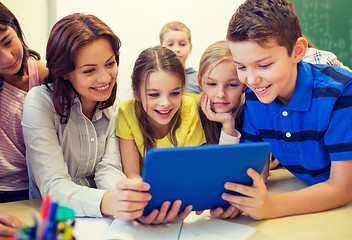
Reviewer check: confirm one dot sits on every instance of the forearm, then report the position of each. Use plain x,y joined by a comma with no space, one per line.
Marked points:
228,127
316,198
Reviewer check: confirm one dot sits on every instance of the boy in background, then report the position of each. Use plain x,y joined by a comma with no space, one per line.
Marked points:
177,37
303,110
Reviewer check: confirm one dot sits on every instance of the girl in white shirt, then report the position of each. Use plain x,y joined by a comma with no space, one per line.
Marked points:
69,126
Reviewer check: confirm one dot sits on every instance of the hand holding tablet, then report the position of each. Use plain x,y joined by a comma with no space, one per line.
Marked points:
196,175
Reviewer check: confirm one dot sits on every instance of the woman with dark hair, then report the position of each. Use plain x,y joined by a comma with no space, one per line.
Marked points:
69,123
20,69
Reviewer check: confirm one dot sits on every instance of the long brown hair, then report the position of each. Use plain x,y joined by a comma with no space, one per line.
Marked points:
7,19
151,60
67,36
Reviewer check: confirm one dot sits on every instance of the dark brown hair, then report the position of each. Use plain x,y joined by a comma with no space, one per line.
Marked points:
153,60
67,36
260,20
7,19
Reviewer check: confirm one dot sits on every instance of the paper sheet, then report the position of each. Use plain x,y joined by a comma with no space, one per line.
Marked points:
90,228
194,227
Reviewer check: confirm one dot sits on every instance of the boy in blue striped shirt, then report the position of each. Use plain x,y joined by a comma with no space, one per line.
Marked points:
303,110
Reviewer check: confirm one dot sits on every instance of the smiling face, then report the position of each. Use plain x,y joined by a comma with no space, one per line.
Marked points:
11,52
95,73
268,70
178,41
161,98
222,87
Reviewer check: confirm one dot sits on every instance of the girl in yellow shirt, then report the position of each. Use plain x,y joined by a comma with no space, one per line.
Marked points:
159,115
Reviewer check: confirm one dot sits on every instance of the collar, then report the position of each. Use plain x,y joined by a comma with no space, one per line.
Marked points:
108,112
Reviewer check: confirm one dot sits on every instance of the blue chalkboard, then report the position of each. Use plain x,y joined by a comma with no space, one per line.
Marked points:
328,24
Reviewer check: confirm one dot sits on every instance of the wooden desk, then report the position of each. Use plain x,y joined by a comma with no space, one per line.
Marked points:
333,224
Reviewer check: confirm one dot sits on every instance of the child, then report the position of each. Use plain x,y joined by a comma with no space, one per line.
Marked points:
177,37
69,123
223,95
301,109
159,115
20,69
221,103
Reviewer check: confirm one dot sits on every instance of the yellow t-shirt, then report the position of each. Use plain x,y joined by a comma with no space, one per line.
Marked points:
189,133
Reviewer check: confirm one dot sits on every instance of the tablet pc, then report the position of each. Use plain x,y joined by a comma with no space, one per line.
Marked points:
196,175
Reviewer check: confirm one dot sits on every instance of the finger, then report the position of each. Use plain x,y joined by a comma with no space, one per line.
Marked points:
184,214
10,221
129,206
150,218
6,230
235,213
131,195
173,212
135,184
228,212
128,215
216,212
199,212
258,181
162,213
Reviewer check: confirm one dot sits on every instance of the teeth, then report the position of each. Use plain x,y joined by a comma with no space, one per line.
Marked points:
164,111
103,88
261,89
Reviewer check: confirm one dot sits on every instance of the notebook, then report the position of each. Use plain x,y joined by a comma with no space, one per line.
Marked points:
196,175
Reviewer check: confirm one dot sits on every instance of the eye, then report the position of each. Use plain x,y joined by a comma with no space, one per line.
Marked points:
89,71
211,84
175,94
153,94
8,42
169,44
265,65
232,85
111,64
241,68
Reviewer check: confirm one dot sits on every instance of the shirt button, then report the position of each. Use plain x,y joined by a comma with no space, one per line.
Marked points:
284,113
92,139
288,134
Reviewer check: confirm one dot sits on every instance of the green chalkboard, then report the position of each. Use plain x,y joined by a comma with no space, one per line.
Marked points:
328,24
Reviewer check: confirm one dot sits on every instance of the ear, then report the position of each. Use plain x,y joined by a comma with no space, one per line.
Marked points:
200,82
299,49
191,48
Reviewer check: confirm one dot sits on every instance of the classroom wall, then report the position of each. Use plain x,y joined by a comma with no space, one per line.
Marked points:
34,21
136,22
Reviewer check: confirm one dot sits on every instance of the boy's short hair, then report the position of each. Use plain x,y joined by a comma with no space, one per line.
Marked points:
174,26
260,20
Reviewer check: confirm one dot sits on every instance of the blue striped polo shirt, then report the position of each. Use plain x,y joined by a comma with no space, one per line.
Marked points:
314,129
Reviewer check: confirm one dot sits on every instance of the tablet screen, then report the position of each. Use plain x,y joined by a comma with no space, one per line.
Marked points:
196,175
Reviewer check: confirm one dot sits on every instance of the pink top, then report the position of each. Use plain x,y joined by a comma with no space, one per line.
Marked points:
13,168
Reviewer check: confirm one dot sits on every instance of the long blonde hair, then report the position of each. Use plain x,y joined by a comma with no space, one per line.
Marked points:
212,56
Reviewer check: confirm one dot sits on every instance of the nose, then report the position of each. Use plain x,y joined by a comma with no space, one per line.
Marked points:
5,56
175,48
220,92
164,101
252,78
104,76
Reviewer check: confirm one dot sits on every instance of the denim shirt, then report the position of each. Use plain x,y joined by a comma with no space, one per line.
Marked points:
75,163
